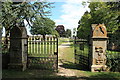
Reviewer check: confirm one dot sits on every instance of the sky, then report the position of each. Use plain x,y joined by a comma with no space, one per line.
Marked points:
67,13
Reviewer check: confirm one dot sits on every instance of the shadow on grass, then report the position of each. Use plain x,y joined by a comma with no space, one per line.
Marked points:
71,65
48,75
105,76
51,75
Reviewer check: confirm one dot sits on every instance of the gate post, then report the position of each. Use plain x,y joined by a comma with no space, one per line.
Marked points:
98,47
18,48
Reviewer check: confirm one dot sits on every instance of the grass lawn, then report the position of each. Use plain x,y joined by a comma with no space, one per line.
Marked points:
62,40
45,74
67,56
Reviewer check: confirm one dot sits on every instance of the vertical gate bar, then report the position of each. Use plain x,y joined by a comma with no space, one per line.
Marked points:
29,42
28,50
48,45
37,43
30,45
57,51
75,49
44,47
33,44
54,43
40,44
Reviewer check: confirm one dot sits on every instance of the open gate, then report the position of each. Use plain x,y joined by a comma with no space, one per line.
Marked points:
43,52
81,52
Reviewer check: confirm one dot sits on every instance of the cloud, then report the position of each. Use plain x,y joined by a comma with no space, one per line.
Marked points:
72,11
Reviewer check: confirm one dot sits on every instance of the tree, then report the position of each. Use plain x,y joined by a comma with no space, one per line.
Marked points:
83,30
100,12
74,32
16,12
43,26
68,33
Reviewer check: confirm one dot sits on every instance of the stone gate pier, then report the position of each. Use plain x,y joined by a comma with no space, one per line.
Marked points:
98,47
18,48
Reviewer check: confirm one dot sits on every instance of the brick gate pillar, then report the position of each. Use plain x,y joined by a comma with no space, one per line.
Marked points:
98,47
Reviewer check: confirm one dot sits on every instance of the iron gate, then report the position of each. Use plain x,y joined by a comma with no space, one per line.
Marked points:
81,52
43,52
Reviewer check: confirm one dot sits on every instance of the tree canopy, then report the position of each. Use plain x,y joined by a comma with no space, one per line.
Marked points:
100,13
43,26
68,33
13,13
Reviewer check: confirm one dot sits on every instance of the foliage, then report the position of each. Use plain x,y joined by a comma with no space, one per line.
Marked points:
84,27
113,60
55,33
68,33
100,12
43,26
14,13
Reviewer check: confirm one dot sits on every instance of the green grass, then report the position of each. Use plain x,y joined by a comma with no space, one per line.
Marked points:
62,40
67,56
50,75
85,50
68,62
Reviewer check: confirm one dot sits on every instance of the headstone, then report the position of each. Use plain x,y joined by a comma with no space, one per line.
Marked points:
18,48
98,47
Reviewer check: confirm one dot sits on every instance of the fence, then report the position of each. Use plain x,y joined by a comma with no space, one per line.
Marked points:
43,52
81,52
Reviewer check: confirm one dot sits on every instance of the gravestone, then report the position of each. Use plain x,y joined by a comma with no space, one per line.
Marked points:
18,48
98,47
